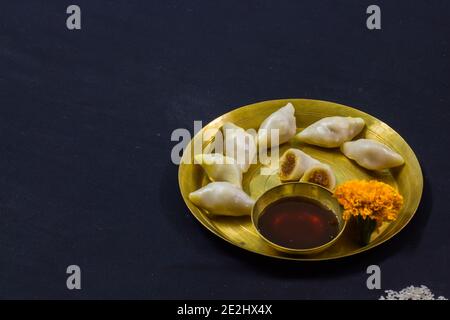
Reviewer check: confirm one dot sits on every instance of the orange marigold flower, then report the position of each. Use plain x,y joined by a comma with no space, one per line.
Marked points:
369,199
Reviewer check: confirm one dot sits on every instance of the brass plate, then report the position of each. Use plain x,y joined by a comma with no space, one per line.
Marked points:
240,231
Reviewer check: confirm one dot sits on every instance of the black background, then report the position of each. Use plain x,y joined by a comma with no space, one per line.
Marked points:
86,118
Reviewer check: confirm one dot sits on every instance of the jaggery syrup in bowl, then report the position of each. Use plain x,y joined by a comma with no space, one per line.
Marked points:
298,223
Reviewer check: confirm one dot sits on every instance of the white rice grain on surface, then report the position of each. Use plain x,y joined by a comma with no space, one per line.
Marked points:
411,293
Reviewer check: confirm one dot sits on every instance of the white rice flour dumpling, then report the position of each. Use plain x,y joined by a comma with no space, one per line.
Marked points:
282,120
220,168
331,132
293,164
296,165
222,198
371,154
320,174
239,145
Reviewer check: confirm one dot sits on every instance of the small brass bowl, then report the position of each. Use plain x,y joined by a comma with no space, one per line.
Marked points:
299,189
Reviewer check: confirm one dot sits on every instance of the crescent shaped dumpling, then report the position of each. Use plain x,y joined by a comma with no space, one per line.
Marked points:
371,154
239,145
320,174
293,163
220,168
331,132
222,198
282,120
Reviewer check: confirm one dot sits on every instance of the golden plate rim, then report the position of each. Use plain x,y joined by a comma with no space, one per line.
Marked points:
299,257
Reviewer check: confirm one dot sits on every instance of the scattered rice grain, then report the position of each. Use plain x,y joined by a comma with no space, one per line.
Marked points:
411,293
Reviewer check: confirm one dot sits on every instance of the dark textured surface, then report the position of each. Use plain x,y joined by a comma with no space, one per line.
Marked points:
86,118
